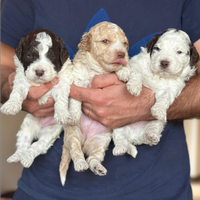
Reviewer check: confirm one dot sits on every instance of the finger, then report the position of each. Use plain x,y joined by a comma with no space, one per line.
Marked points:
82,94
37,92
11,78
104,80
90,114
44,112
33,106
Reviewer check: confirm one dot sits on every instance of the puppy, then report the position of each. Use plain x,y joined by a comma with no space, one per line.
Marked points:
40,57
163,66
102,50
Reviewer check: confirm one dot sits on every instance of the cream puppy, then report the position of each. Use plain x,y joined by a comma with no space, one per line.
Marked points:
102,50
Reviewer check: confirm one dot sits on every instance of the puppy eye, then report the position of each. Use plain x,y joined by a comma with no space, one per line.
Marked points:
156,48
179,52
105,41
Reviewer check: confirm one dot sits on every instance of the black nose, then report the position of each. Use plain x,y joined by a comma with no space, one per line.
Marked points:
39,72
121,54
164,64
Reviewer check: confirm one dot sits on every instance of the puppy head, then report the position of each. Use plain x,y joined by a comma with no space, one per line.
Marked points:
171,52
107,44
42,55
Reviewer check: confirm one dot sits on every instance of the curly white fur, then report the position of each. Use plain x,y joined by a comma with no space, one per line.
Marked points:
165,71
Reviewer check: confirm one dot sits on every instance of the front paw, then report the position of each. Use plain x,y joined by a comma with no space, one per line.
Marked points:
123,74
134,89
62,117
10,108
159,113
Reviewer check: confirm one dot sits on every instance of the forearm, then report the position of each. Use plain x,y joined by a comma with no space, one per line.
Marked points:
5,87
7,67
186,106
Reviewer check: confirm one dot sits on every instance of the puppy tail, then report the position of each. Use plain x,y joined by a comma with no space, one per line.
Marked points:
64,164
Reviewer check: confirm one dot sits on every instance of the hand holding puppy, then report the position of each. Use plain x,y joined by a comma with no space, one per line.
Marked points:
31,104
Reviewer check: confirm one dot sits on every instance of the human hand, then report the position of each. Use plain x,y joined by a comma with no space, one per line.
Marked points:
111,104
31,104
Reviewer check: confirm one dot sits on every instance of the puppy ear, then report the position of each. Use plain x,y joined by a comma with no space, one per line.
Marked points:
19,49
152,42
194,56
64,53
85,43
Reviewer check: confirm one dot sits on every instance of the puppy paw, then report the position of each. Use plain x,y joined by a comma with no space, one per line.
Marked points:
10,108
73,120
26,160
134,89
123,74
81,166
14,158
119,150
159,114
152,138
132,150
43,100
62,117
97,168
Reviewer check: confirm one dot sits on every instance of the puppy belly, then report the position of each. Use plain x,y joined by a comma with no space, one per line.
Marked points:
47,121
90,127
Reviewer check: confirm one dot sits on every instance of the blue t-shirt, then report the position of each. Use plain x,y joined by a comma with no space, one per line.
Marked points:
158,172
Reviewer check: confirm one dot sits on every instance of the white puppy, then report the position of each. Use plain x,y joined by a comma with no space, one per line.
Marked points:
40,57
163,66
102,50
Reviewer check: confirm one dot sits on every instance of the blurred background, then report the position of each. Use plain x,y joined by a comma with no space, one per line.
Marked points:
10,173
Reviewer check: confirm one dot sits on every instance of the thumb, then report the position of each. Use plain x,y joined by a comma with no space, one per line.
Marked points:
36,92
105,80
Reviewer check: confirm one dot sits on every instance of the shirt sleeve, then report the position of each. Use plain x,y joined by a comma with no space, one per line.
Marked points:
17,20
191,19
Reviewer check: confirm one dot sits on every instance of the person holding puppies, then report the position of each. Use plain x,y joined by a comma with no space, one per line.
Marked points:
158,172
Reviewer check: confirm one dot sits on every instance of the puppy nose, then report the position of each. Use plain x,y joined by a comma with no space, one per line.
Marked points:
121,54
164,63
39,72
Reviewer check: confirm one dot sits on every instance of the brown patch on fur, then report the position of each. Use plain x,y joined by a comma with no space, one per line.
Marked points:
85,44
194,56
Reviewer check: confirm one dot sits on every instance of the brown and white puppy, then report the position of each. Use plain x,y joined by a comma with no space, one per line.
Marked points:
163,66
102,50
40,57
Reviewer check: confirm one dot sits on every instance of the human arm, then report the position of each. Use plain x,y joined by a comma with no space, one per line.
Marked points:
112,105
30,104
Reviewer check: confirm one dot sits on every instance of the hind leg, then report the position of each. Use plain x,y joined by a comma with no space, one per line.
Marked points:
47,137
28,131
74,143
95,148
122,144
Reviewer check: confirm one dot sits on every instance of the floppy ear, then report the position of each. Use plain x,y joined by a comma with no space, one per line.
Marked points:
19,49
64,53
85,43
152,42
194,56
